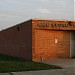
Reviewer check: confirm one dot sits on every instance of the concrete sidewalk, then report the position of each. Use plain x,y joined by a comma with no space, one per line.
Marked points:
65,63
44,72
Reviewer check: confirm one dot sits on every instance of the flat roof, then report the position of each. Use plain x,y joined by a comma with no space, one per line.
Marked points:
51,19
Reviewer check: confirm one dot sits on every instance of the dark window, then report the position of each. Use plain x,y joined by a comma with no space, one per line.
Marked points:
18,28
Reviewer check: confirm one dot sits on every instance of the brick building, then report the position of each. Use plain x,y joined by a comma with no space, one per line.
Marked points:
38,39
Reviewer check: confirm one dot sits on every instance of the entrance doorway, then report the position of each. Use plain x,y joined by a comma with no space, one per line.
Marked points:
72,44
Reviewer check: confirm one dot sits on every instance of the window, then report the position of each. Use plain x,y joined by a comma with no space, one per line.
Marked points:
18,28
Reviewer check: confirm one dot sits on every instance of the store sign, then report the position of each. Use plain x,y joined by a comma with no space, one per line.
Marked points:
59,25
43,24
55,25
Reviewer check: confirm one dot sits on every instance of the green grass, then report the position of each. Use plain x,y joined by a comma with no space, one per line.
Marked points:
13,64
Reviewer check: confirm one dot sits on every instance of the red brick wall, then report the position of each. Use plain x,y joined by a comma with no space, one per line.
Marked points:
17,43
44,46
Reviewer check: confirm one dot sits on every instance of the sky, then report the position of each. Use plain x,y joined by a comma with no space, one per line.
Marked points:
13,12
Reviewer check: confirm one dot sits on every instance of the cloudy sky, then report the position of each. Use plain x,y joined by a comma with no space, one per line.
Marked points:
15,11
